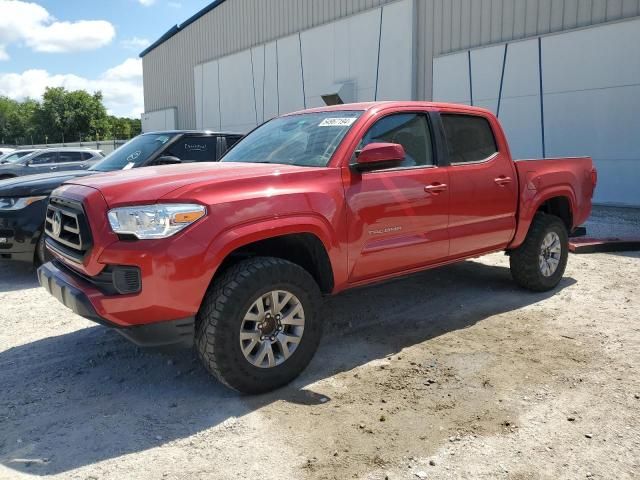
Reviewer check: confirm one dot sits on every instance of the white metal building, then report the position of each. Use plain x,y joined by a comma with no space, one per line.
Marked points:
562,75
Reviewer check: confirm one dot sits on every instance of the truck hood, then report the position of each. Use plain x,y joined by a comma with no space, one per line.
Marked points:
150,184
33,185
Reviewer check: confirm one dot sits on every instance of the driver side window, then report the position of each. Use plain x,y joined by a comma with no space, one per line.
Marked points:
43,158
411,130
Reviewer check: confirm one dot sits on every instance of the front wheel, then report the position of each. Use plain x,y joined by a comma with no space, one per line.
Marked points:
258,326
42,255
539,263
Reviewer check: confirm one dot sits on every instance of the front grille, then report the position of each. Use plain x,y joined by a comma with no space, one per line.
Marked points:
67,228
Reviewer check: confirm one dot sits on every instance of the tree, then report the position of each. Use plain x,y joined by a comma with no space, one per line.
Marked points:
67,116
62,115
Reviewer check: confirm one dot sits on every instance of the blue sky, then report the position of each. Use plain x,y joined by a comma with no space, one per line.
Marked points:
83,44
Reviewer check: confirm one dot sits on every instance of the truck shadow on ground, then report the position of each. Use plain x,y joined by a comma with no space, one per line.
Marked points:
89,396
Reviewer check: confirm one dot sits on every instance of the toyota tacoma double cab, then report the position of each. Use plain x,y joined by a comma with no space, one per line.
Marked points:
234,257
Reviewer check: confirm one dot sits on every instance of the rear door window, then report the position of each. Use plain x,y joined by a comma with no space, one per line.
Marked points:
67,157
469,138
194,149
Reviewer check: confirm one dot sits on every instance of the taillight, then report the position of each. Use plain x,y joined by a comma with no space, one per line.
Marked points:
594,177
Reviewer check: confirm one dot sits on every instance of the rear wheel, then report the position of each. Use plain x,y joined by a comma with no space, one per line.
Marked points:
539,263
258,326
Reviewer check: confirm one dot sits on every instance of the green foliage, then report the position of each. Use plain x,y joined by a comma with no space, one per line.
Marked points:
62,116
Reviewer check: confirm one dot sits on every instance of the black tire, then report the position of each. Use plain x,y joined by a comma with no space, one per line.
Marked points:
42,255
524,260
220,317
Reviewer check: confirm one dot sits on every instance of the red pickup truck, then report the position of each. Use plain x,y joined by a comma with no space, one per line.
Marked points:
235,256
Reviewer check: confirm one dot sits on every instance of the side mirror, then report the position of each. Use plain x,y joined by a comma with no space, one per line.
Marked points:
379,155
167,160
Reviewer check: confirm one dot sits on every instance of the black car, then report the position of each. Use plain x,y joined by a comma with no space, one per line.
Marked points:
23,200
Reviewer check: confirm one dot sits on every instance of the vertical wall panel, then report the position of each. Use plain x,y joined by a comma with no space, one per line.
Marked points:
197,76
520,105
290,74
211,96
596,111
396,69
486,69
451,78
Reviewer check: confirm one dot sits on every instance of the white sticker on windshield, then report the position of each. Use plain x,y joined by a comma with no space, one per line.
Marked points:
337,122
128,166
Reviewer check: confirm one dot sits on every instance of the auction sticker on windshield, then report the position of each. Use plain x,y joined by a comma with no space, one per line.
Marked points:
337,122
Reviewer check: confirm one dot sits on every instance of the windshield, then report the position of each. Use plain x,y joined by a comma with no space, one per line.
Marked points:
306,139
14,157
134,153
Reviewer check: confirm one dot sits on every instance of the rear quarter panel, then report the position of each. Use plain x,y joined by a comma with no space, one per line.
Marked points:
541,180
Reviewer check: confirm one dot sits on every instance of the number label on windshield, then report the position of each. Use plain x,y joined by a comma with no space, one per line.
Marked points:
337,122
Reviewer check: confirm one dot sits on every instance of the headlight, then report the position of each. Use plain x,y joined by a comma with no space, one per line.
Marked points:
18,203
154,221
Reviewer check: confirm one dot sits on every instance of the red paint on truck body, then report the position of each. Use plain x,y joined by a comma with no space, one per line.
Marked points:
373,225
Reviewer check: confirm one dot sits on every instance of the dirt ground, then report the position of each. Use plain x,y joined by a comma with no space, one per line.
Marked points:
453,373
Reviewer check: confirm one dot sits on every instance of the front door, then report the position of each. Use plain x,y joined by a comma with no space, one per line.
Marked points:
44,162
398,216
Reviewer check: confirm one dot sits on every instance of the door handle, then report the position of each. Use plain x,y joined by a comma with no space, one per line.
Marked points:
53,168
435,188
502,180
82,165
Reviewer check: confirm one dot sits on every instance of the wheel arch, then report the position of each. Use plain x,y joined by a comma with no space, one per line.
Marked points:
559,201
307,242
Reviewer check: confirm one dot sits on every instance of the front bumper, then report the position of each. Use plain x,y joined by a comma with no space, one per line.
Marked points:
77,294
20,231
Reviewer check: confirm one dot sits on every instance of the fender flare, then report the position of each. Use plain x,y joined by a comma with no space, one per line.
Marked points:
239,236
530,205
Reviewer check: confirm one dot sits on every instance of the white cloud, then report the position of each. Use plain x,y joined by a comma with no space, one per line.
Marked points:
121,86
30,24
147,3
130,69
135,43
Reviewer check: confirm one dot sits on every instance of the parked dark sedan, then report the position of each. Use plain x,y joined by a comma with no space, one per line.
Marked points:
50,160
23,200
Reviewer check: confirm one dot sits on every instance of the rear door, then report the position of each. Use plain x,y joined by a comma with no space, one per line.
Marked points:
484,190
397,217
70,160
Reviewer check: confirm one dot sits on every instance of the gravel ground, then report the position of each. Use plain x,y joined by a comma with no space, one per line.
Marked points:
452,373
607,222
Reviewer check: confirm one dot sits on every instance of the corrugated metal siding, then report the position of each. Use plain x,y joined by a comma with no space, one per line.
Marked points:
443,26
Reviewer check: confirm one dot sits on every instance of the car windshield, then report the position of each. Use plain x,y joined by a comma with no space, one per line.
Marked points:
134,153
306,139
15,157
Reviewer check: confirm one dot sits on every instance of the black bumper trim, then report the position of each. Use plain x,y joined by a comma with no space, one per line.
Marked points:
173,333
